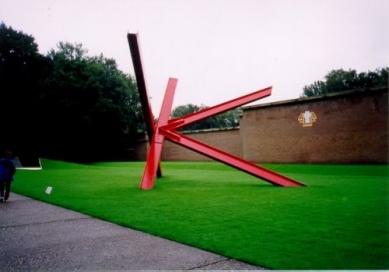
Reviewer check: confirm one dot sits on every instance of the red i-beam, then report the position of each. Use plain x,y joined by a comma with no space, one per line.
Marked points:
166,128
141,83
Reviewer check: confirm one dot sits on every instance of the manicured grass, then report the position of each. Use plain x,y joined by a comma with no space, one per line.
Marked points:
339,220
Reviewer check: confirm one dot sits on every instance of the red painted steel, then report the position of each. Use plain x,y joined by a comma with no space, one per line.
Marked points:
142,89
153,159
166,128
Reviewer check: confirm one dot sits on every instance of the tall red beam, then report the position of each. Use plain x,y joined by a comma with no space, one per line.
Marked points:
158,138
142,89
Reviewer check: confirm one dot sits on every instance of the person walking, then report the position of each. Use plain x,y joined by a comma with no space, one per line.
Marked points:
7,172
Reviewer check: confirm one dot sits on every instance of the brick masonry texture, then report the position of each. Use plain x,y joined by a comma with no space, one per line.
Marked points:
351,128
228,140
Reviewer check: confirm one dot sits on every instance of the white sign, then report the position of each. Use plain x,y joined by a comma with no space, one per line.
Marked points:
48,190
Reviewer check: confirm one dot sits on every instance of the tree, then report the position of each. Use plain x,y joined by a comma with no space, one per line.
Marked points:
223,120
340,80
95,106
65,105
22,73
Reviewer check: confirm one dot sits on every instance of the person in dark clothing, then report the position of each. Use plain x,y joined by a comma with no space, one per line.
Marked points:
7,172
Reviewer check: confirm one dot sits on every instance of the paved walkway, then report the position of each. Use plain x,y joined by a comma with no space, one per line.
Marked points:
39,236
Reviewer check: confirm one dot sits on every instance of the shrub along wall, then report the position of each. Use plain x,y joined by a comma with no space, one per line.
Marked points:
349,127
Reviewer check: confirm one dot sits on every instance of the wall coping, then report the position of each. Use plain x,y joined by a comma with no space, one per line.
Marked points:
208,130
315,98
146,138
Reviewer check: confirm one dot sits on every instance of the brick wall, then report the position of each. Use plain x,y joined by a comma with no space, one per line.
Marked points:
141,149
350,127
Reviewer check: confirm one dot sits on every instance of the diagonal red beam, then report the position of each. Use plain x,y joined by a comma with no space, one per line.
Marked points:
229,159
154,156
218,109
142,89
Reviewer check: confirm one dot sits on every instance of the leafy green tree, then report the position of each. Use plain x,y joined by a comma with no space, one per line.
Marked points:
65,105
379,78
22,73
186,109
340,80
223,120
95,106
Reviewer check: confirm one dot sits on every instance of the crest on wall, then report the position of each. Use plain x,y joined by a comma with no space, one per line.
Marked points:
307,118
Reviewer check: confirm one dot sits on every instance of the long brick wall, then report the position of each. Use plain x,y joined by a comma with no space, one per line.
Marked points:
350,127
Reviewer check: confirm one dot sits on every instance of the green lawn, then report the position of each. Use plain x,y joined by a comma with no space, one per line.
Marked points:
338,221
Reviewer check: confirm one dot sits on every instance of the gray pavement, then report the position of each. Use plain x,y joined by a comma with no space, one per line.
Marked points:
39,236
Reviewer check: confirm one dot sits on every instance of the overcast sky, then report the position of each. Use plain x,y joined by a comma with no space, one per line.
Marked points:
218,49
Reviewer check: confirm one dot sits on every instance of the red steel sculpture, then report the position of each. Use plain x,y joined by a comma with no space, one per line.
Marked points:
167,128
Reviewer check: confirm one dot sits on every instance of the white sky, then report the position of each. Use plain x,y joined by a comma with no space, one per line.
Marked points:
218,49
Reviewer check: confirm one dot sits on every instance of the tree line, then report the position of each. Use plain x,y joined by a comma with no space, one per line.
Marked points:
341,80
65,104
224,120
